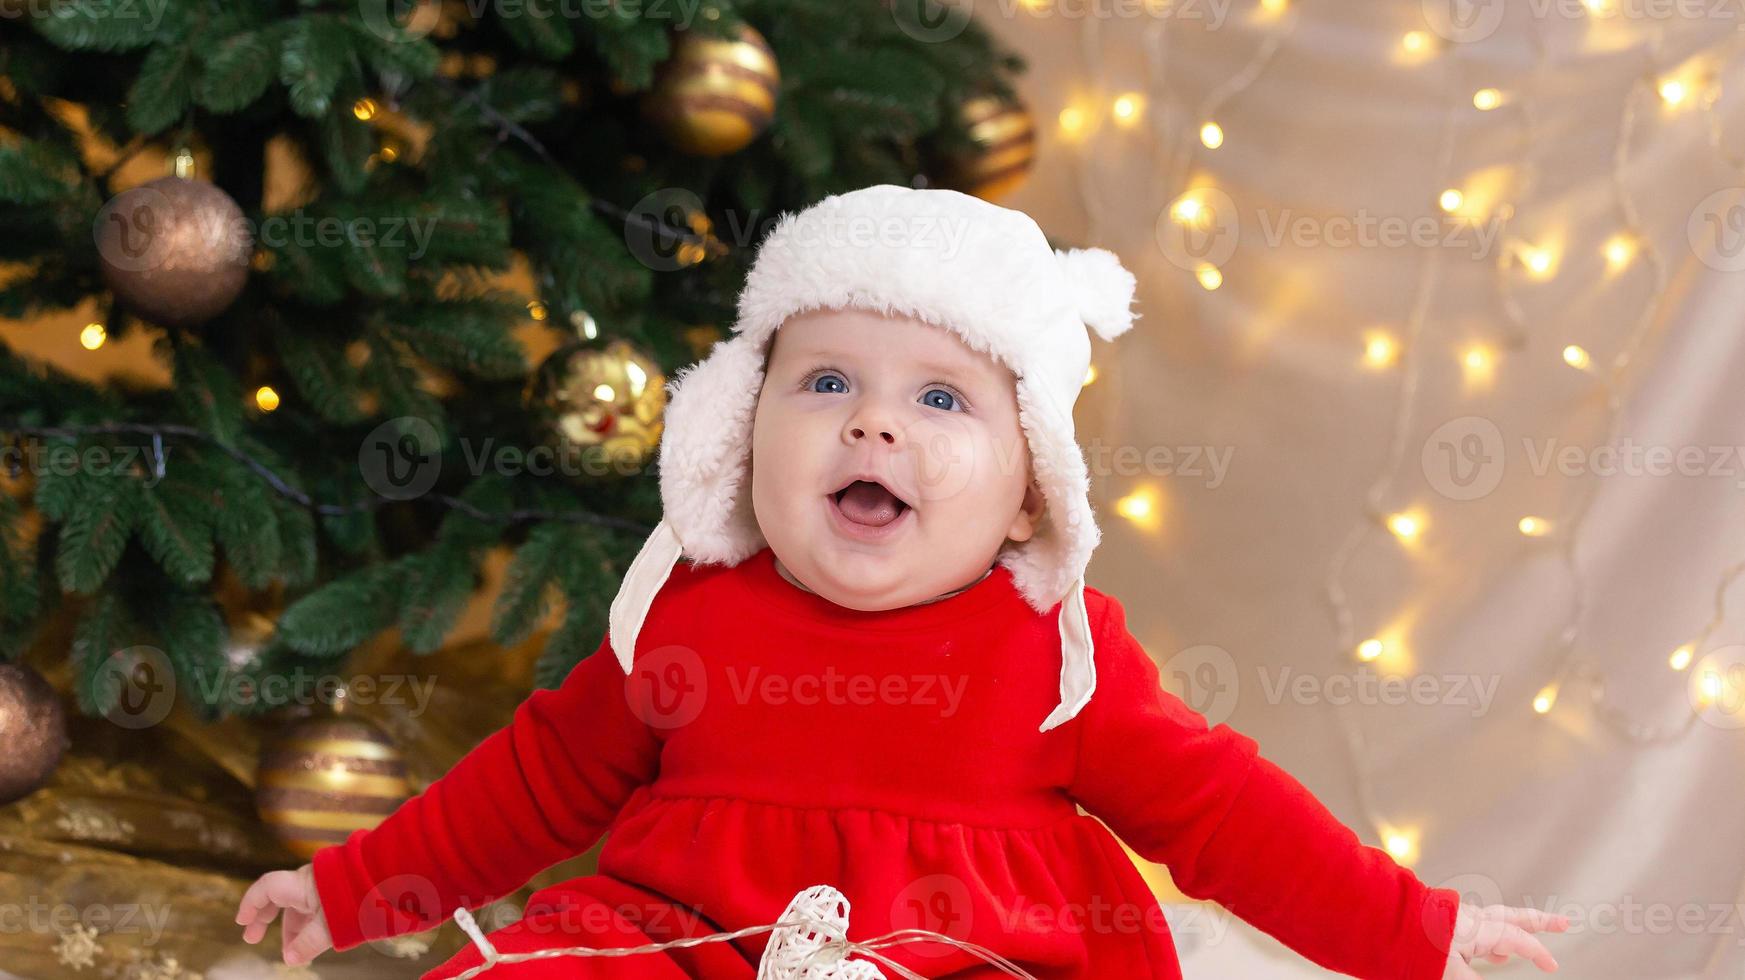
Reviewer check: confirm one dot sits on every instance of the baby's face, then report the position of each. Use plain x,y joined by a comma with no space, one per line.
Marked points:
850,393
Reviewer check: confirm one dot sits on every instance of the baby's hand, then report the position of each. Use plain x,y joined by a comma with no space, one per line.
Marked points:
304,934
1496,932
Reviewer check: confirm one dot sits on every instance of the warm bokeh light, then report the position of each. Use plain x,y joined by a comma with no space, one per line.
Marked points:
1142,507
1379,350
1478,364
1415,42
1209,276
1673,91
1127,108
1620,249
604,392
1186,209
364,109
93,336
1451,200
1090,376
1401,844
1072,121
1486,99
1681,657
1534,527
1545,699
265,398
536,309
1406,526
1369,649
1212,135
1576,357
1539,262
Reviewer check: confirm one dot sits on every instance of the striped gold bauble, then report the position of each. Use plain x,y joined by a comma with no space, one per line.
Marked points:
714,95
1004,136
324,777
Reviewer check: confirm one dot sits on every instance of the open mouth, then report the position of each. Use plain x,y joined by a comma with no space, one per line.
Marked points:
869,504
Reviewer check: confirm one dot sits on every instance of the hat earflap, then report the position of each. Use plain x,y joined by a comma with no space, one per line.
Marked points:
1102,289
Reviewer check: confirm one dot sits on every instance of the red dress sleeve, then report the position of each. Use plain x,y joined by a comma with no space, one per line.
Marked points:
538,791
1235,828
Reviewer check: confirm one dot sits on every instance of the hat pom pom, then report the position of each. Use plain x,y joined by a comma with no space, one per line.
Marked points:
1102,288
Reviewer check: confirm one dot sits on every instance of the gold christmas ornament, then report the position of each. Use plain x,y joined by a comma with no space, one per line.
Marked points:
1005,146
33,731
173,250
713,96
604,407
325,777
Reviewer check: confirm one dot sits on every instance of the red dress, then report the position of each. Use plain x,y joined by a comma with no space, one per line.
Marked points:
770,740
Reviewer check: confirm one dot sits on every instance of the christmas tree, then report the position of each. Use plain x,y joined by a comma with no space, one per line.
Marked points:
357,212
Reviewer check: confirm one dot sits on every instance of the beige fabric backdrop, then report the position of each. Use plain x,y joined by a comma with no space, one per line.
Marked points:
1626,809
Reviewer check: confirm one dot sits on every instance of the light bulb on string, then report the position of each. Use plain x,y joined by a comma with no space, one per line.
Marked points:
1534,527
93,336
1486,99
1577,357
1407,526
1211,136
1545,699
1619,250
1380,350
1681,657
1127,108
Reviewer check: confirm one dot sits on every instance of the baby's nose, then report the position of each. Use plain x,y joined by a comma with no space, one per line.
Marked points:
884,433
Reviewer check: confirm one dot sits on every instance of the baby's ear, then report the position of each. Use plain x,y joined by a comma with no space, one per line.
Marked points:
1029,514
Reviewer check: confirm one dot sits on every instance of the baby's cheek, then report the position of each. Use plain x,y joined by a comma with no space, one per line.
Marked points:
957,466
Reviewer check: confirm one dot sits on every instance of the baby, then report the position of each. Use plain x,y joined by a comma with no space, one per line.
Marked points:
880,670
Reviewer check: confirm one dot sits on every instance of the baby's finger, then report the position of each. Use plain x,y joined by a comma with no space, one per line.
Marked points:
1535,920
260,904
1518,942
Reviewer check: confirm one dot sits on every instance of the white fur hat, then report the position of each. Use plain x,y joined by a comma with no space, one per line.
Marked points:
986,273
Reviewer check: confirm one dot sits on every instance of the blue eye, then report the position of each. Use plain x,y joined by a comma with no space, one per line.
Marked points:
842,385
946,400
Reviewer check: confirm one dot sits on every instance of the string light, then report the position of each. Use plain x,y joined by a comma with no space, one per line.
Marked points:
1545,699
1415,42
1576,357
93,336
1486,99
536,309
1406,526
1681,657
1566,662
1209,276
1402,845
1620,249
1672,91
1478,365
1451,200
1072,122
1538,261
1534,527
1369,649
364,109
1126,108
1142,507
1379,350
1211,136
265,398
1429,270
